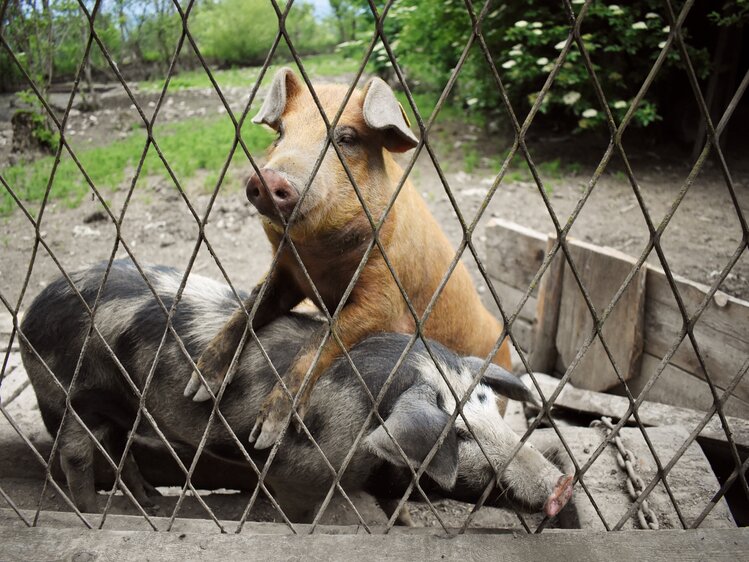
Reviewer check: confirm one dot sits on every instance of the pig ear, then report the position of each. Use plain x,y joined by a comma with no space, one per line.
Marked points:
501,381
416,423
285,85
382,112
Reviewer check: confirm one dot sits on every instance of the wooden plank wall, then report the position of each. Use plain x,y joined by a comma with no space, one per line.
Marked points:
513,256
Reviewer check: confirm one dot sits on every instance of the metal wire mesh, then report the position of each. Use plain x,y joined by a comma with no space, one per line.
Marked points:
477,14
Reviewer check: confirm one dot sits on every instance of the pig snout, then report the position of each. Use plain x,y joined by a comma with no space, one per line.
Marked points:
280,194
559,497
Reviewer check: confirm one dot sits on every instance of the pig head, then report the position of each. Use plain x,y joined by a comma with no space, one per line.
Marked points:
372,120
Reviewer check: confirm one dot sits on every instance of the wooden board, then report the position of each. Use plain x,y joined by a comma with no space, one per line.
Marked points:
602,271
514,253
678,387
510,298
74,544
544,349
722,331
650,413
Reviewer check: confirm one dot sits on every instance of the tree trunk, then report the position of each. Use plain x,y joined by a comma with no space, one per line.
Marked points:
90,99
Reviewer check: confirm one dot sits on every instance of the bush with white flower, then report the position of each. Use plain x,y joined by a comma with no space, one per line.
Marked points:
528,41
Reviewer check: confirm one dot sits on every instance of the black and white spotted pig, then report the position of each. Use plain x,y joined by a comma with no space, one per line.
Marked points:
415,407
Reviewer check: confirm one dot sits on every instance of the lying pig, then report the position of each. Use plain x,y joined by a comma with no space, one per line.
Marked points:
415,408
331,234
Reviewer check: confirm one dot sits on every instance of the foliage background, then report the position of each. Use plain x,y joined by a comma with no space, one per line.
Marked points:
524,39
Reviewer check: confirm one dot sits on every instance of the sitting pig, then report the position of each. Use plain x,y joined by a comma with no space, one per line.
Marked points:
415,408
331,234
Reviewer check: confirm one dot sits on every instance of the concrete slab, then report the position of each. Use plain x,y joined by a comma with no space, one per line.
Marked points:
6,327
14,379
691,480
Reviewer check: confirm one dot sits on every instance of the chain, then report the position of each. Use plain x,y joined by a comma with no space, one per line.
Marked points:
626,461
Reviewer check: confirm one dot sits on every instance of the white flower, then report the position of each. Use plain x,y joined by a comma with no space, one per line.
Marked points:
516,53
639,25
661,44
536,24
571,97
537,31
616,10
559,46
651,15
518,47
508,64
547,68
590,113
521,23
620,104
578,1
472,101
542,61
667,29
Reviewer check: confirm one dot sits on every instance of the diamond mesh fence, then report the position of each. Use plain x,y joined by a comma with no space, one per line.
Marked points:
298,425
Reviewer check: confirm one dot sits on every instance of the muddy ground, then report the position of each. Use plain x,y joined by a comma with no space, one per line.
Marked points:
158,227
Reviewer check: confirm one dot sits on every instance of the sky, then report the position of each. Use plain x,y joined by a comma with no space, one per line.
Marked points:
322,7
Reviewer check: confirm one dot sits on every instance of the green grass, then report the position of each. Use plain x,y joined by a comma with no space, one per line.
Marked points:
188,146
314,65
470,159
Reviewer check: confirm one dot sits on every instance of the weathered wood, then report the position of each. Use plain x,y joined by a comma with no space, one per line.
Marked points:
118,522
722,331
72,544
510,298
602,271
692,481
514,253
650,413
544,349
677,387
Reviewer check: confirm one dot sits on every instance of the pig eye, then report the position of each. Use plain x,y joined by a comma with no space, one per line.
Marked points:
346,136
463,434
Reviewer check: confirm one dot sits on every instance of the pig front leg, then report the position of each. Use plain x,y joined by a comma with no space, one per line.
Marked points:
356,322
281,295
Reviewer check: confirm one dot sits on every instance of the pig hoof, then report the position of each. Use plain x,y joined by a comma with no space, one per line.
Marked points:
267,428
259,434
192,385
268,436
559,496
197,389
201,395
265,433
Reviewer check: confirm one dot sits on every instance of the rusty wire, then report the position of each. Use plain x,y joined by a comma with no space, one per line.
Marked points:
519,145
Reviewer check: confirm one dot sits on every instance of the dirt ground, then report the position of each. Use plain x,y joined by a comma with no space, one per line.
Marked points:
159,228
